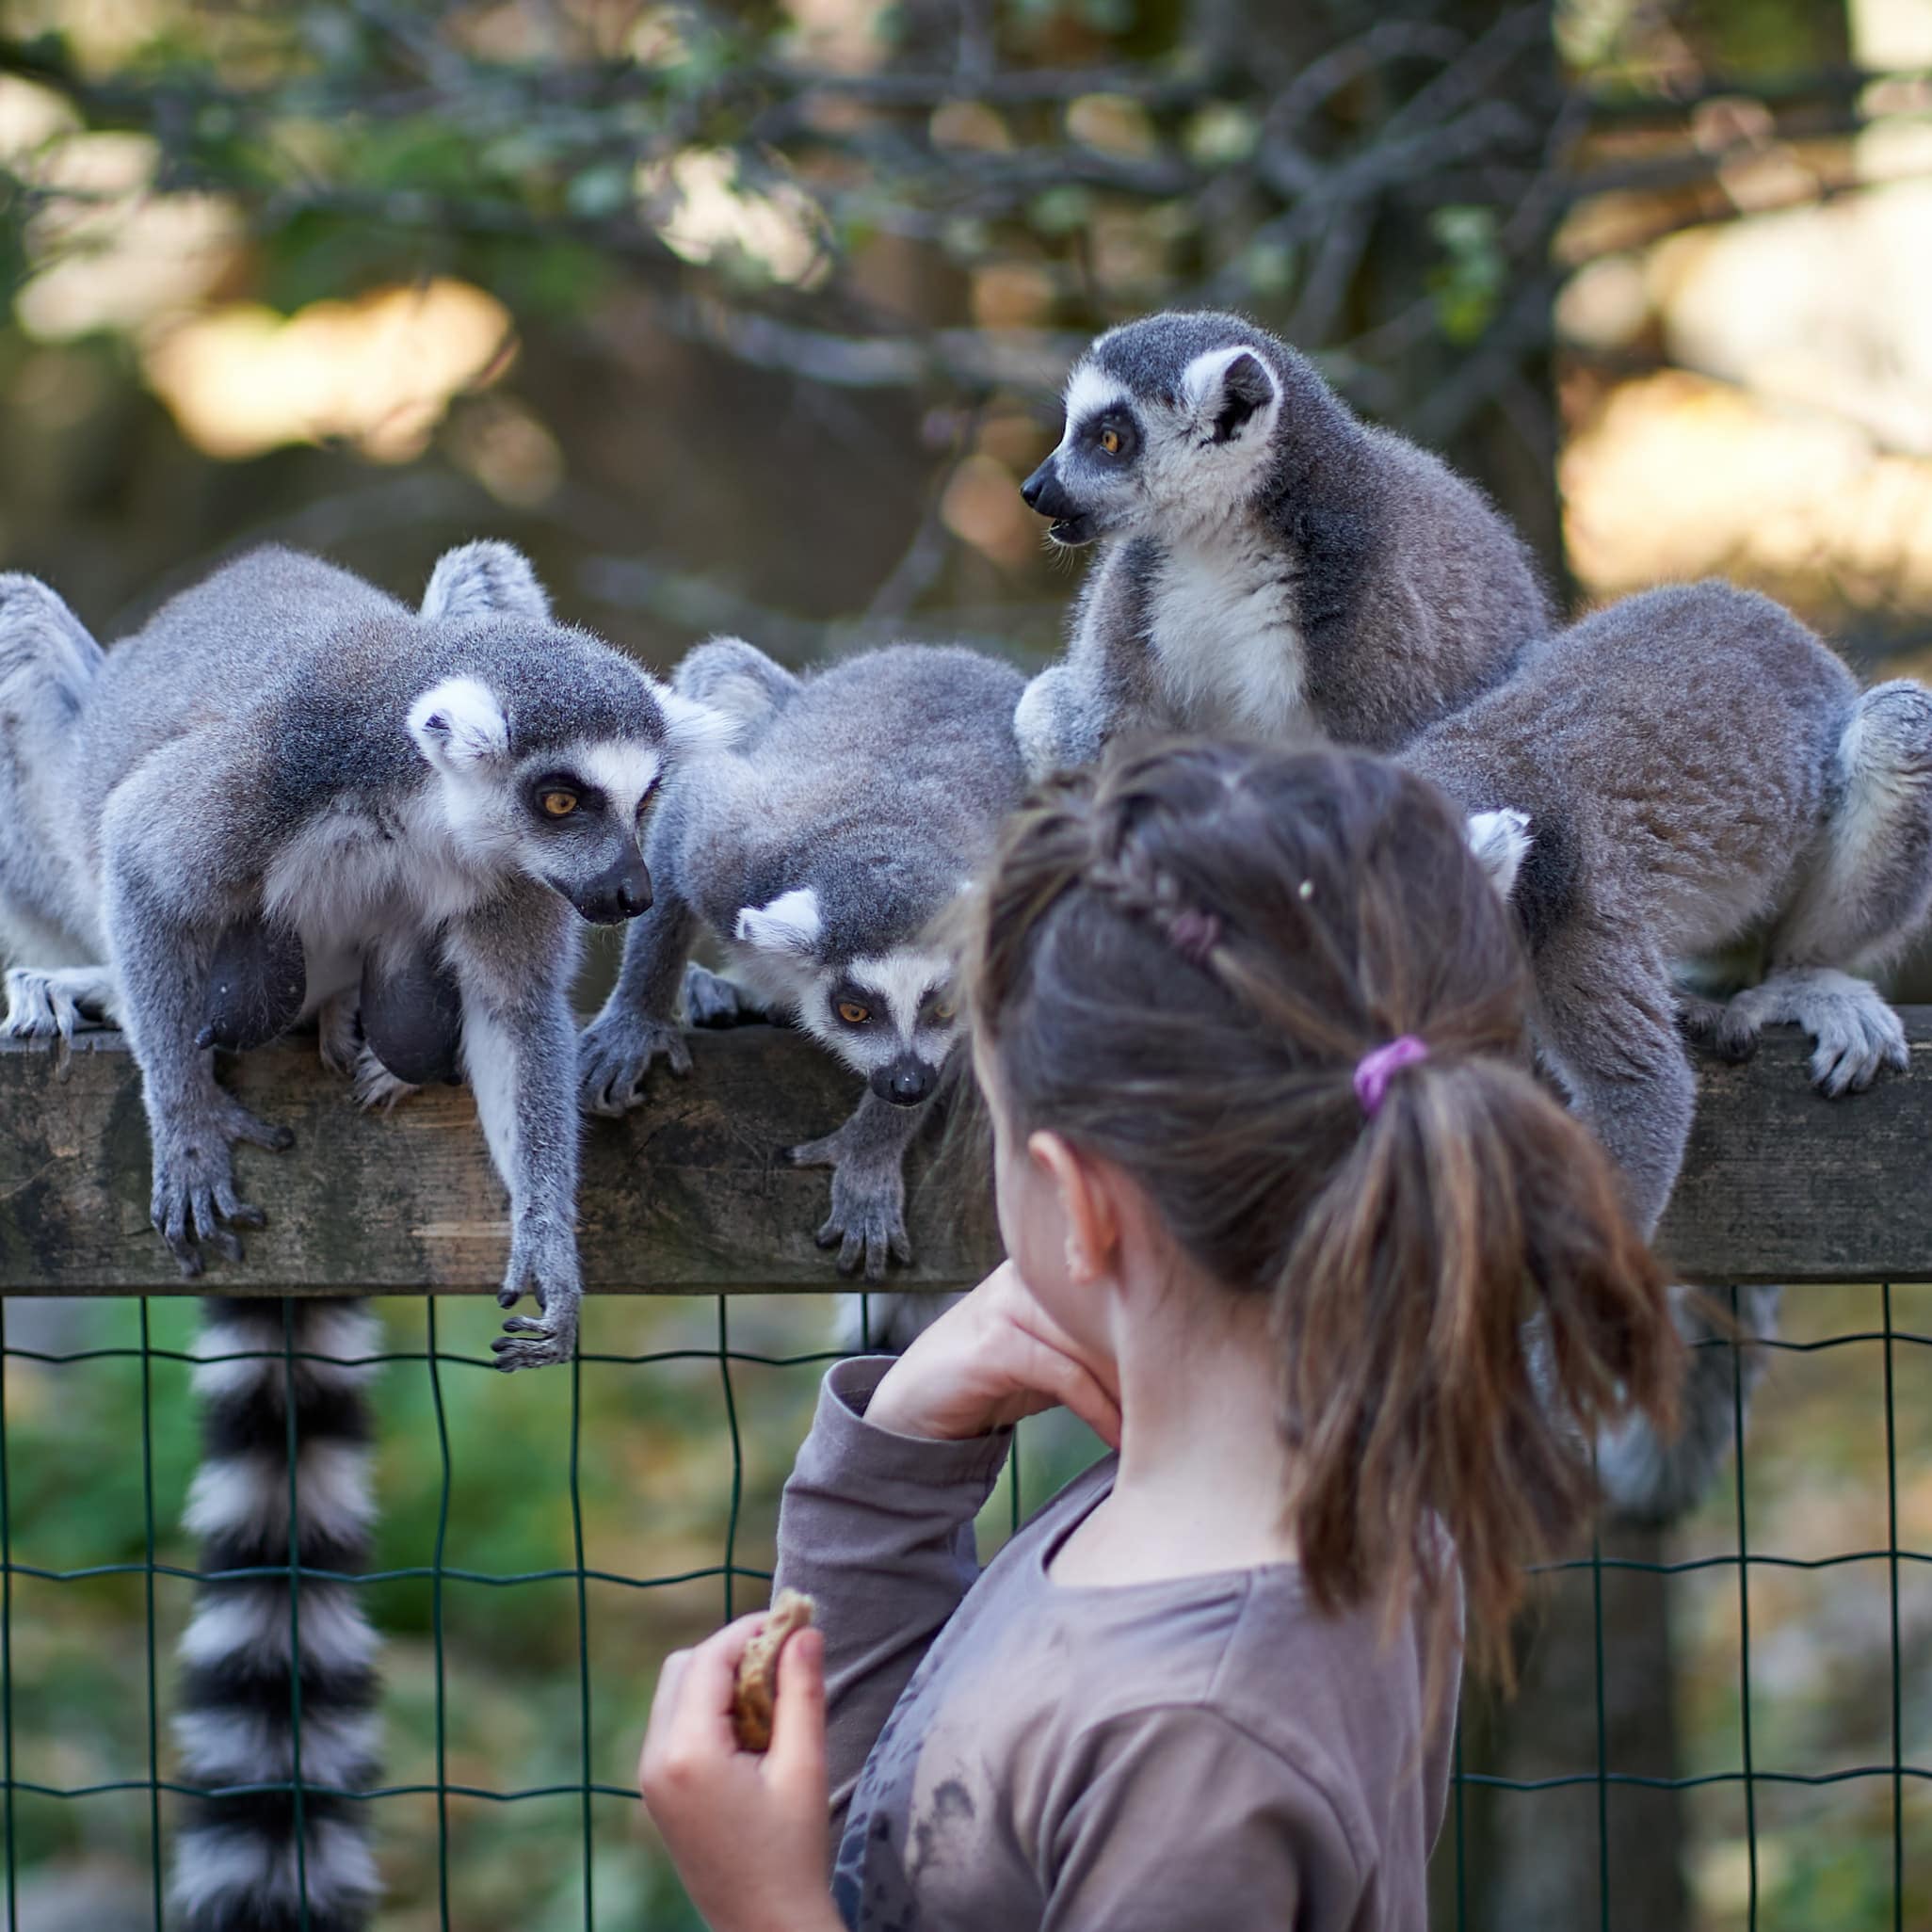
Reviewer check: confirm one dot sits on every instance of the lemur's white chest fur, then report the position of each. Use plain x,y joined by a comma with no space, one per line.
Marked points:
358,873
1224,627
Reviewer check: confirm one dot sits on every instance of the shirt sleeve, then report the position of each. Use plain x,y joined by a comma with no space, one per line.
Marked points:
1187,1820
878,1528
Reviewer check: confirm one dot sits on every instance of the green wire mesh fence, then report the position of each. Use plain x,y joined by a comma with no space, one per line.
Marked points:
514,1807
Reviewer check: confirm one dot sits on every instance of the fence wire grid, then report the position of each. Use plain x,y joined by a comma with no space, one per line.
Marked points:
606,1895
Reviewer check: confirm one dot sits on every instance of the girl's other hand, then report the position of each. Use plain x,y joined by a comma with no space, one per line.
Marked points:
993,1357
747,1831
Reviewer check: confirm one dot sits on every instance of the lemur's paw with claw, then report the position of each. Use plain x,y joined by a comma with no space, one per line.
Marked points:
867,1222
1854,1031
614,1056
49,1004
543,1265
531,1342
711,1000
194,1204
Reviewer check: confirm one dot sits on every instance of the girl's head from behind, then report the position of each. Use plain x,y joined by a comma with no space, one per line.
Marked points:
1277,994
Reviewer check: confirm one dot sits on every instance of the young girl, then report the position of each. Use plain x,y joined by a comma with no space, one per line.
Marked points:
1291,1226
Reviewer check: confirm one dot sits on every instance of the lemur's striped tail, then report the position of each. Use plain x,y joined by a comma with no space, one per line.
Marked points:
237,1866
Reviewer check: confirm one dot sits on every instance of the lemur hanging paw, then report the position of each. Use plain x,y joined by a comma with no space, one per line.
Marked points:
193,1202
543,1263
867,1222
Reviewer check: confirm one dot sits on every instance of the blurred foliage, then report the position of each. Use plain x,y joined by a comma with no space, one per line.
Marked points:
661,1497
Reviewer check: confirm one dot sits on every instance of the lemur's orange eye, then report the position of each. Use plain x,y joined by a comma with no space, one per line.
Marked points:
941,1012
1110,441
557,802
853,1014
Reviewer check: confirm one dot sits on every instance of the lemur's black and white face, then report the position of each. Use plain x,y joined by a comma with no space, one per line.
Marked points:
890,1016
571,815
1161,435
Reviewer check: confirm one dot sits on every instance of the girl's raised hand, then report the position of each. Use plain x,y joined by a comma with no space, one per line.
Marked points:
747,1831
993,1357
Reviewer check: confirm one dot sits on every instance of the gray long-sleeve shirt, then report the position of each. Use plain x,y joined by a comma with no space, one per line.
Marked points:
1008,1753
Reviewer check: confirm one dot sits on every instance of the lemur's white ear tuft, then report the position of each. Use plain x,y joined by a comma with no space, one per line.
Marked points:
691,729
459,724
789,925
483,580
1232,390
1501,842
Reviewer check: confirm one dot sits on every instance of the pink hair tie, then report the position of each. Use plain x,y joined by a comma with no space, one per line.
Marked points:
1375,1068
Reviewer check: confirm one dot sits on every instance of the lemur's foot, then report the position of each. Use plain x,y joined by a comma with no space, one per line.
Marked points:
528,1343
867,1222
338,1039
543,1263
376,1085
49,1004
1854,1031
1712,1025
711,1000
614,1056
194,1181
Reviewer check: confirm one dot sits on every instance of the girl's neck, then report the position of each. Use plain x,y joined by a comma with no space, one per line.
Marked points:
1204,1471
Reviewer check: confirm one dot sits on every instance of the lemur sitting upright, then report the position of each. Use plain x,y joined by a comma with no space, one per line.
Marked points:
818,850
1783,807
1236,497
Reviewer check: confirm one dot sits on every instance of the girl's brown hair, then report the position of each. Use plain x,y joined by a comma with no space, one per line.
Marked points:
1180,963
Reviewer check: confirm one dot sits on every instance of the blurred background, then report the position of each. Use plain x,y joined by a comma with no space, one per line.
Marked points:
750,316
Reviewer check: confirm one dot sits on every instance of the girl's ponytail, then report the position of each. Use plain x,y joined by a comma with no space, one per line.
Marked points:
1465,1303
1280,994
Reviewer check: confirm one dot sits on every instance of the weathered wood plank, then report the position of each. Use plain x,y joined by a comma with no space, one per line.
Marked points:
690,1194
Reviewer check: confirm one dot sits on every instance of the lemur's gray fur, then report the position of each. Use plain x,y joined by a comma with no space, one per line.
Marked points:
289,792
1785,815
286,743
1785,810
1270,566
1781,808
818,850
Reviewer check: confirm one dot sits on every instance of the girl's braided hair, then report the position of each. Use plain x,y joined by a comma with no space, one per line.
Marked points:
1179,963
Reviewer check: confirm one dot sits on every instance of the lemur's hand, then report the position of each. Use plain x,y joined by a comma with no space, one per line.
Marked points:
867,1222
543,1260
615,1053
194,1179
711,1000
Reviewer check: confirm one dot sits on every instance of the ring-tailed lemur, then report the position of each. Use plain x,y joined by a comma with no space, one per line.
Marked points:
288,793
1781,806
818,851
1269,565
1787,813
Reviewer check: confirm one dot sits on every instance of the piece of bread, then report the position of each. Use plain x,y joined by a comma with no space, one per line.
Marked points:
756,1691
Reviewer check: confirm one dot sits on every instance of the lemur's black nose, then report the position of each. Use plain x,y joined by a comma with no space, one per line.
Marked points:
620,894
1035,487
904,1081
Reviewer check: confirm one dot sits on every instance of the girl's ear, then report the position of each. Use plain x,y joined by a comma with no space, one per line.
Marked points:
1088,1211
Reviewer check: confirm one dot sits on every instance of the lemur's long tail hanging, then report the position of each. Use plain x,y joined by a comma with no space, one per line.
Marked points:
248,1715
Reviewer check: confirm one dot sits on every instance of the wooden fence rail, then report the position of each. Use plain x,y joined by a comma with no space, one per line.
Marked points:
689,1194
